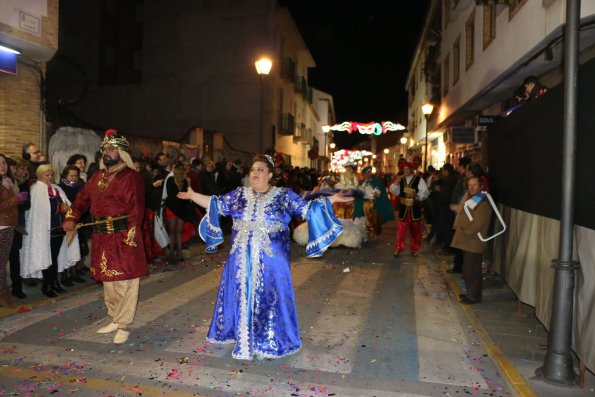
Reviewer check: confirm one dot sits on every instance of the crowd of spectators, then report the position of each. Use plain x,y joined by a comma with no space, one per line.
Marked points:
165,177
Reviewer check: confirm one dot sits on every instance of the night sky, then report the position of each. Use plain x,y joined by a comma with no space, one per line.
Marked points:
362,50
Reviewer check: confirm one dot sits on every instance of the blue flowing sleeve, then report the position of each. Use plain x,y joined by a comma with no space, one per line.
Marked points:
323,227
209,229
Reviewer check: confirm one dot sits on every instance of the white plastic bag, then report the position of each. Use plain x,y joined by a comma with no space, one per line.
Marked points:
161,235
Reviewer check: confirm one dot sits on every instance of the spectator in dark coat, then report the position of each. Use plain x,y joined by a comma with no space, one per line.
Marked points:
71,183
209,179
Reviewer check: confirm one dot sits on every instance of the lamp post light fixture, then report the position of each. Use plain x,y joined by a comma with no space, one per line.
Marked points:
263,68
404,140
9,50
332,145
426,109
384,159
326,129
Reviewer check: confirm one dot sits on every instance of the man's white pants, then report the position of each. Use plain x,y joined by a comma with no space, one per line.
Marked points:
121,298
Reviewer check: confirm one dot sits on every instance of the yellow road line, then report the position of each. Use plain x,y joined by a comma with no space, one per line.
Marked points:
100,385
513,377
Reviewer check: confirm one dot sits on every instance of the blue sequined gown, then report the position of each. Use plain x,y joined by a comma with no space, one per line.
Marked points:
255,307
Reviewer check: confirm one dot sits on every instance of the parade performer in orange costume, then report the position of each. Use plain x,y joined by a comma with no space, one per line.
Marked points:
115,198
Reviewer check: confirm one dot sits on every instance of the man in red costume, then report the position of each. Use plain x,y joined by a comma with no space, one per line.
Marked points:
412,190
115,198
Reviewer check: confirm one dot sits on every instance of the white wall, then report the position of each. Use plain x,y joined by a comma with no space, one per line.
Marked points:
514,39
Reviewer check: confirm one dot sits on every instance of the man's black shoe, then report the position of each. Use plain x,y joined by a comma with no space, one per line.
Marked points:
78,279
467,301
19,294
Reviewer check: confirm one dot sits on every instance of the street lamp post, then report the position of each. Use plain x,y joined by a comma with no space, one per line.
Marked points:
403,141
426,109
326,129
263,68
385,160
332,146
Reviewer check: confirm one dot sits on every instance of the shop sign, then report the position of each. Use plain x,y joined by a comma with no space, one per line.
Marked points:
462,135
483,122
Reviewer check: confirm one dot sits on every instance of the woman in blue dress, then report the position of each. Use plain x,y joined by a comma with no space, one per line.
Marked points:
255,307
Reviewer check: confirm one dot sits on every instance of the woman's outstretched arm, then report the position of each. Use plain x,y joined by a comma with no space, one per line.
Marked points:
198,198
339,198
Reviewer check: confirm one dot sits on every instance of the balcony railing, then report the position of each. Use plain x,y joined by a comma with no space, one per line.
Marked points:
288,69
286,124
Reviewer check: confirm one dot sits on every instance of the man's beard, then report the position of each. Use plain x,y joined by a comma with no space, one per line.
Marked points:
108,161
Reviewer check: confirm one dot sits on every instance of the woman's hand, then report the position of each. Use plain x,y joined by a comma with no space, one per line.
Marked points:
187,195
339,198
198,198
7,183
22,196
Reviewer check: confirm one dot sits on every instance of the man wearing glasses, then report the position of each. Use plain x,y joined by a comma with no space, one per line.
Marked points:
33,155
115,197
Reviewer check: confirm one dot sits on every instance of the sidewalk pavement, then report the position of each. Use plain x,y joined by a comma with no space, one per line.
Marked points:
511,334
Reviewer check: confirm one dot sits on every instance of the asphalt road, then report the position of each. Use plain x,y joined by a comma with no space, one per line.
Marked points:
371,325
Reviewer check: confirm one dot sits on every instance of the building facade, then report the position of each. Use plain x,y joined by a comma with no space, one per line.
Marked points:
325,117
31,28
482,53
152,68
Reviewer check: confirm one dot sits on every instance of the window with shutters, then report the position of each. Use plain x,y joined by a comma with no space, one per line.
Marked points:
469,40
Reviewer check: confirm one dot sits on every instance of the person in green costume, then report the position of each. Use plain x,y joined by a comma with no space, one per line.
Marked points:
374,205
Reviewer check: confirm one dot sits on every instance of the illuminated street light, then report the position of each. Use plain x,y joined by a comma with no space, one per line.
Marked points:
426,109
9,50
263,68
386,151
332,145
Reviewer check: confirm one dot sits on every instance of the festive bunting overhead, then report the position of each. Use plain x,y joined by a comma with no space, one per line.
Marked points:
371,128
342,157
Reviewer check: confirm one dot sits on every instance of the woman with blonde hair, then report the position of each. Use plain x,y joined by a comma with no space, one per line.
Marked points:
45,252
178,211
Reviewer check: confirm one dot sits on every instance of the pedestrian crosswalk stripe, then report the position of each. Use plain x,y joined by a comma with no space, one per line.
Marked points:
330,344
442,342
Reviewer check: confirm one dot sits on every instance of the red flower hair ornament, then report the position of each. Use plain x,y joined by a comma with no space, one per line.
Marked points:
113,138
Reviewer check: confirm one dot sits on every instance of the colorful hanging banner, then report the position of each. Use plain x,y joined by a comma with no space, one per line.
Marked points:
342,157
371,128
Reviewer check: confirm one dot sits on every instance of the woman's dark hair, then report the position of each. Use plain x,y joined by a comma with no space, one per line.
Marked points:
264,159
69,168
449,168
8,170
76,157
475,169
